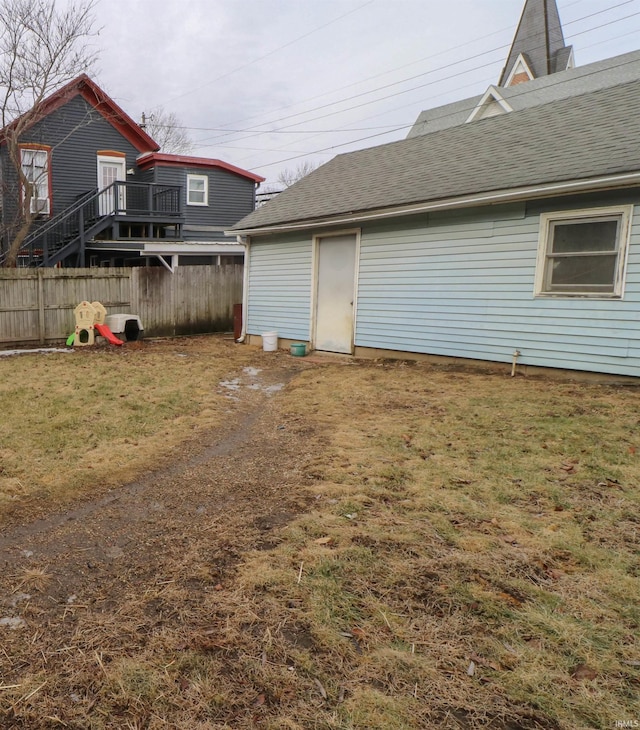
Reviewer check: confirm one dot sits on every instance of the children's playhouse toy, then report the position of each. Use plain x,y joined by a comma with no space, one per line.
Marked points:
90,320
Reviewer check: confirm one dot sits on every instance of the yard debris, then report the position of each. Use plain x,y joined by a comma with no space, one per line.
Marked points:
321,689
471,669
324,541
482,662
13,622
582,671
610,483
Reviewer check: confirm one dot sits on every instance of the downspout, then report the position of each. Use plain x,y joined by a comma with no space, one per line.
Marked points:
245,285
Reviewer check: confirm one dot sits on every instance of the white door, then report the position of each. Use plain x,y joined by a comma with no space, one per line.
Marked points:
335,293
111,170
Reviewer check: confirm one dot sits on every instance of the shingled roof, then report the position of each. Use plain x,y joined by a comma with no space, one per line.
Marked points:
580,138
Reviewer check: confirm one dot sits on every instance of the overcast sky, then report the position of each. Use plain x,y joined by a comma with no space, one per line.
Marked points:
298,80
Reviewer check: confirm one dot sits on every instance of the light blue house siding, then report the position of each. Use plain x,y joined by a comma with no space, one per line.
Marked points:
459,284
280,276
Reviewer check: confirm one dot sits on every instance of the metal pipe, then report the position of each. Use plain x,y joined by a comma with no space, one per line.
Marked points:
516,355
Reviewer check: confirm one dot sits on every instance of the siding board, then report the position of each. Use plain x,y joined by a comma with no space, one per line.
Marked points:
448,289
459,284
280,295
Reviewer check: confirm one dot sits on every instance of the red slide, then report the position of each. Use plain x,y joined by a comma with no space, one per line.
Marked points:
105,332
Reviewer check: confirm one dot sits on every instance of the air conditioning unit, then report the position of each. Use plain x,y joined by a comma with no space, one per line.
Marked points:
40,206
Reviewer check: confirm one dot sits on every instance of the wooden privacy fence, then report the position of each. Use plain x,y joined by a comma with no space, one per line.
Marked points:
36,305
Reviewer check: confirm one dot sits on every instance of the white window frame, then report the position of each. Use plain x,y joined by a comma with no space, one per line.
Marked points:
203,178
39,204
623,212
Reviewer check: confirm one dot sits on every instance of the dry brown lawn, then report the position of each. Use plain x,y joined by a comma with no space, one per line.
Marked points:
374,545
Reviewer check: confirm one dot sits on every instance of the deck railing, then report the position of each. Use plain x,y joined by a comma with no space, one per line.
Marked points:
137,201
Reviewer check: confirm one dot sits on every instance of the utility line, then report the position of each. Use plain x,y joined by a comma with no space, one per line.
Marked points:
406,126
386,73
412,78
430,83
270,53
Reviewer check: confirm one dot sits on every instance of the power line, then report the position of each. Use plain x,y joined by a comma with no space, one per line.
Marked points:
270,53
386,73
460,88
397,128
411,78
470,109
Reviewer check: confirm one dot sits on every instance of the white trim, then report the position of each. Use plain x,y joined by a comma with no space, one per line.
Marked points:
121,162
626,214
245,286
205,179
519,66
38,205
571,61
167,266
493,94
357,232
105,203
184,247
464,201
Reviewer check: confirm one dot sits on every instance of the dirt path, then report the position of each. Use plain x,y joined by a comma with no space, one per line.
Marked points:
188,524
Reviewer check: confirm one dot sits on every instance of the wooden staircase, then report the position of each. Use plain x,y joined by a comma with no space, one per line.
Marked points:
63,238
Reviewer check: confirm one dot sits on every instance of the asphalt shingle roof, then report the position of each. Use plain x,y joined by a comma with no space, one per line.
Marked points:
582,137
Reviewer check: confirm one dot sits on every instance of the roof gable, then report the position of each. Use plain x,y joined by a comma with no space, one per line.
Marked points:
491,105
86,88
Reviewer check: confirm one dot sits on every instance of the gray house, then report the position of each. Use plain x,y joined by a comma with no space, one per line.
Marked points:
104,195
505,237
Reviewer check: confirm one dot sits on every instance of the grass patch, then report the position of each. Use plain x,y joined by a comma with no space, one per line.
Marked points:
80,422
468,560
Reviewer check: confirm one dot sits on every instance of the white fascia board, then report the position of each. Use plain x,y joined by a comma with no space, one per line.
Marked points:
186,248
518,67
491,94
495,197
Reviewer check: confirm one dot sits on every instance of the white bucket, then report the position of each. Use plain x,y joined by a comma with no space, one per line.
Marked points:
269,341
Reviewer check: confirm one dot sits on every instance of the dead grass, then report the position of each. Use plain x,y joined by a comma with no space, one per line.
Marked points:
470,559
82,422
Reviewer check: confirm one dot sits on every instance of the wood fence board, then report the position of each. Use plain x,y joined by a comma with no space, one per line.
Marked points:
36,305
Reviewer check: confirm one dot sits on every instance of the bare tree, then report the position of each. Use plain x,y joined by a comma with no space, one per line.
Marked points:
288,176
168,131
42,47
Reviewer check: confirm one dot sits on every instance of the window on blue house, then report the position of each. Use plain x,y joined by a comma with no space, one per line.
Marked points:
197,190
35,166
583,253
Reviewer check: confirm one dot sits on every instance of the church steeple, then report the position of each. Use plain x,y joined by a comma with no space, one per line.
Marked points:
538,48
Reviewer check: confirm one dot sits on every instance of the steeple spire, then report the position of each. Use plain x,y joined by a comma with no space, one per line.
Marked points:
538,48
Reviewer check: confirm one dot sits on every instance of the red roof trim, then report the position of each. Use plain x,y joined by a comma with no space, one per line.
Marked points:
160,158
96,97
